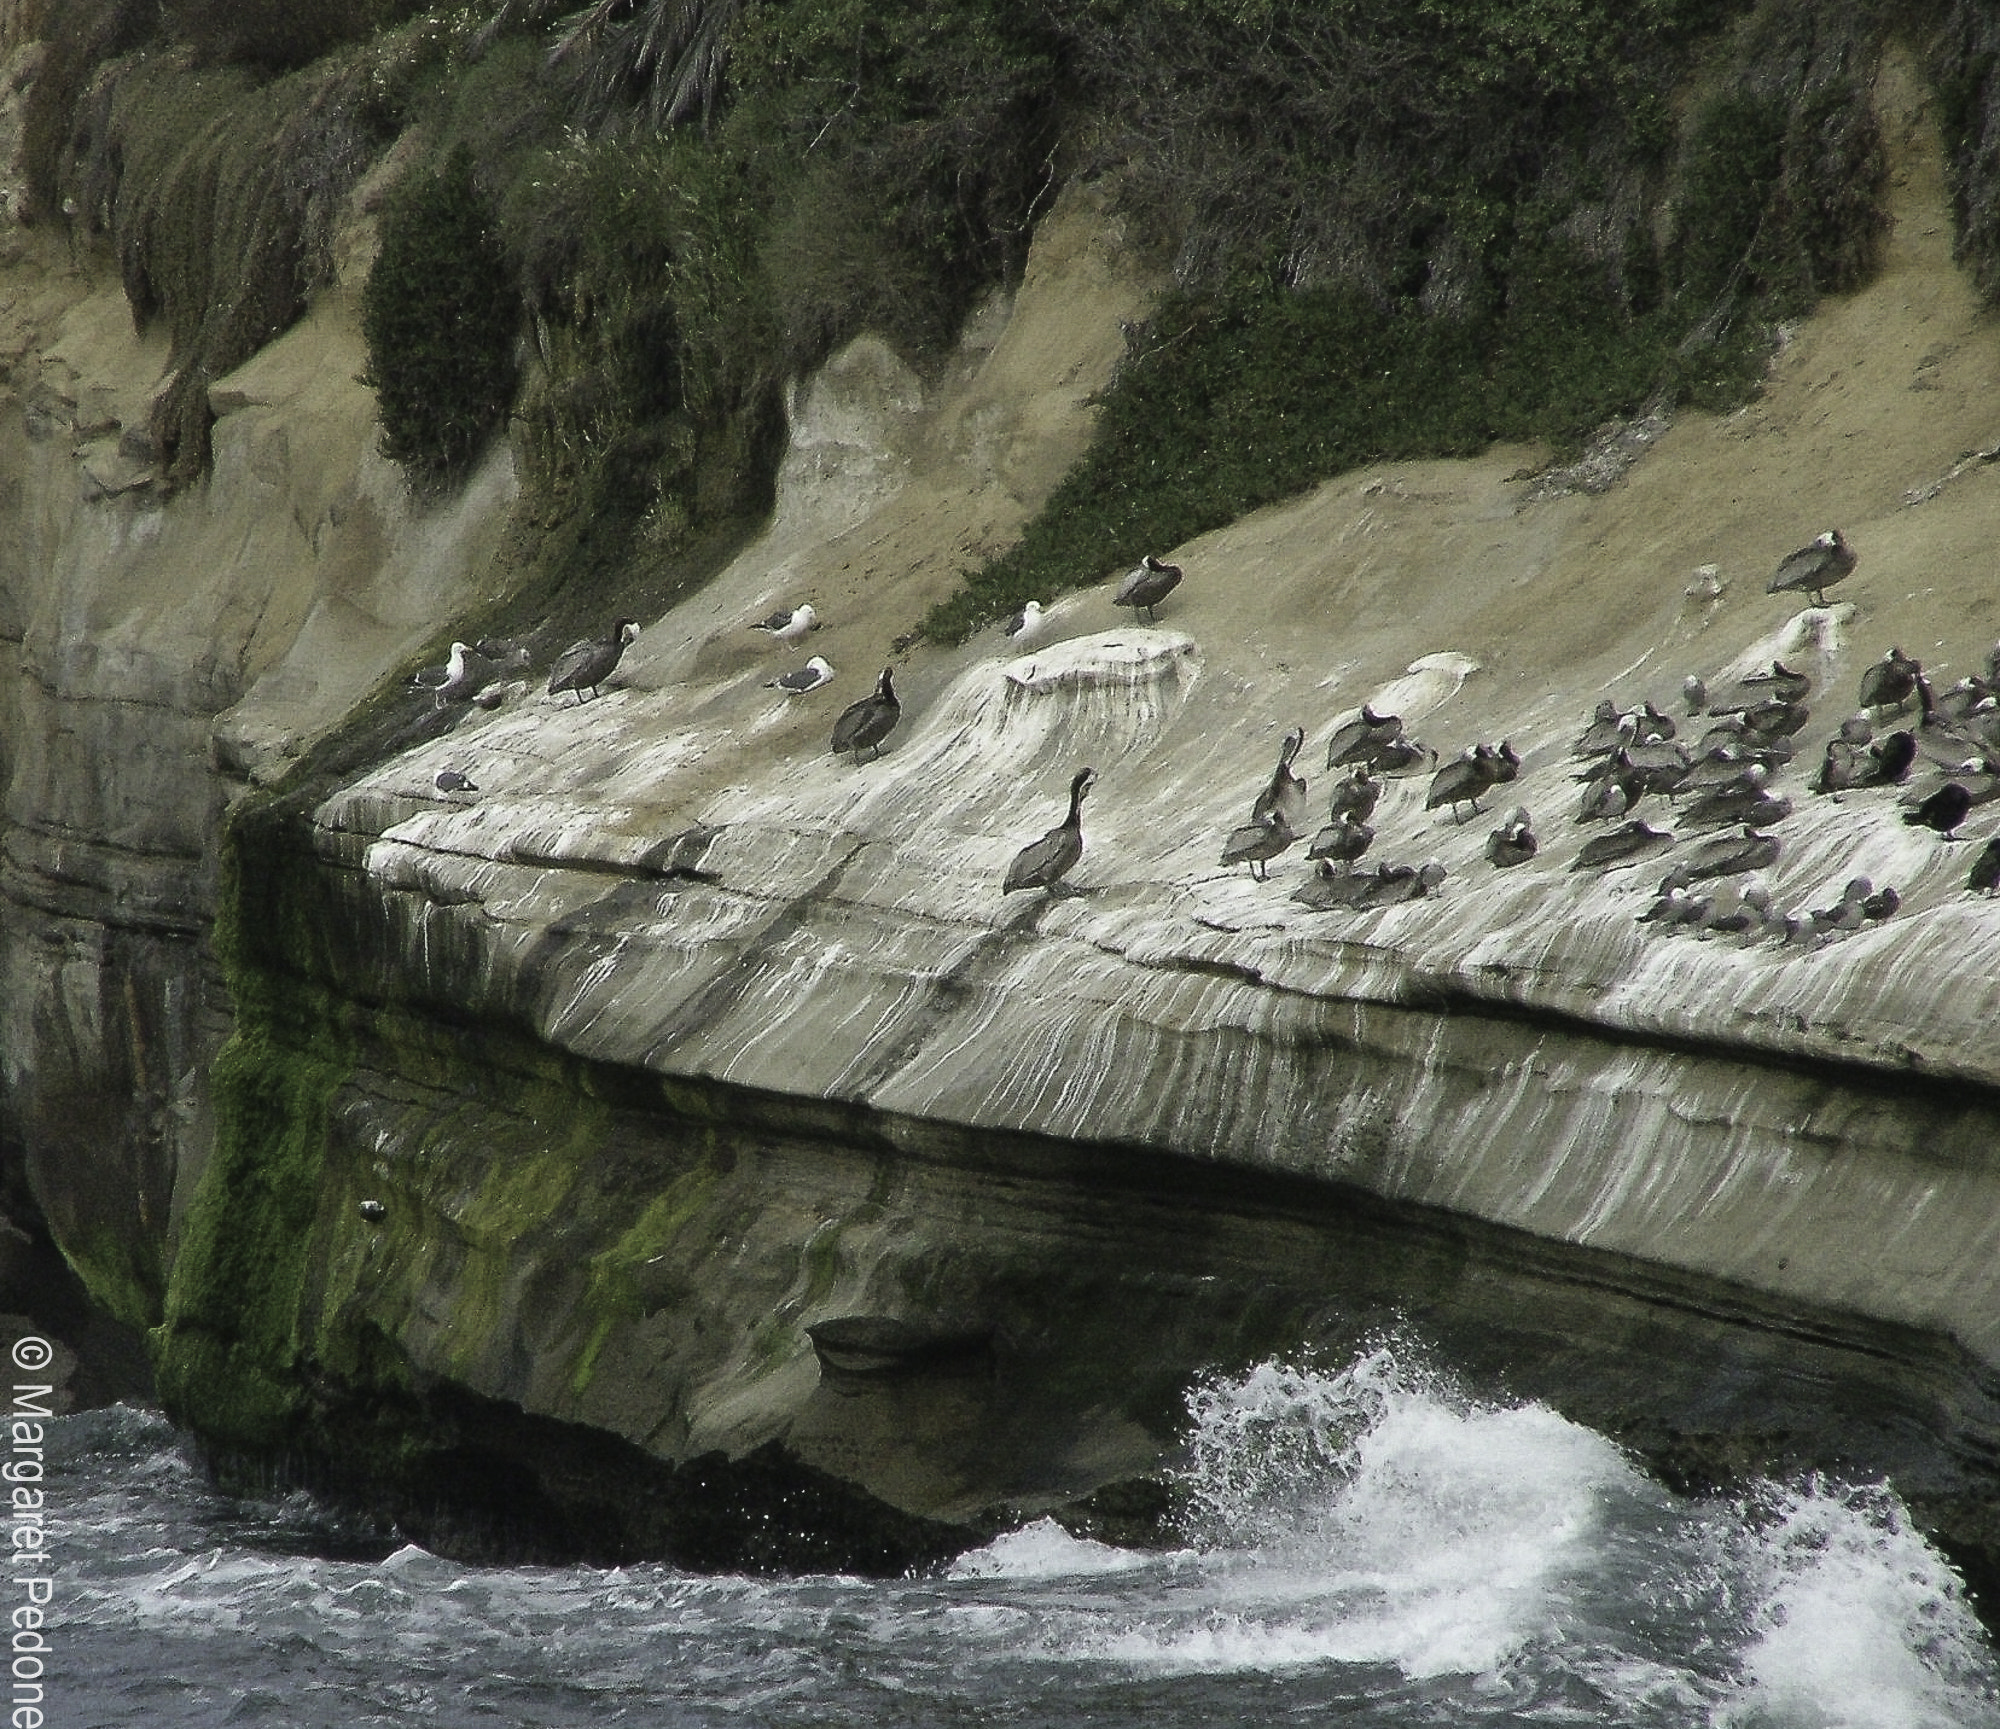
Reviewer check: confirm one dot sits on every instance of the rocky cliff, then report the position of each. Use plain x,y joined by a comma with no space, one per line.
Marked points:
682,1143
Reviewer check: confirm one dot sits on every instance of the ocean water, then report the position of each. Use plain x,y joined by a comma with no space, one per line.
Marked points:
1365,1545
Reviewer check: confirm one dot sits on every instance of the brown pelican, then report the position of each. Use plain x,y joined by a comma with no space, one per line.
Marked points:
1343,840
1891,681
1462,781
1044,863
1356,796
811,676
1328,887
1815,567
1625,845
1400,756
1149,583
1396,883
1357,740
1512,843
1731,855
1985,875
865,724
788,623
1943,811
584,665
1745,801
1846,913
1286,795
1258,843
1608,729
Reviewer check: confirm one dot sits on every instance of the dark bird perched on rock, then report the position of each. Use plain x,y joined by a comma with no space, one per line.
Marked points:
1732,855
1891,681
1750,916
809,677
1328,887
1650,726
1633,841
1464,780
584,665
1400,756
1343,840
1845,914
1694,693
373,1211
1513,843
1846,752
1611,794
1727,763
1394,884
1673,905
1780,684
1147,585
1815,567
788,623
1746,801
1357,740
1608,730
1889,760
1257,843
1286,795
1985,875
1881,904
865,724
1943,811
1356,796
450,780
1044,863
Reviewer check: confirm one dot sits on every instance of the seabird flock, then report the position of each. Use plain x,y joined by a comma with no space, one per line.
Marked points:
1715,782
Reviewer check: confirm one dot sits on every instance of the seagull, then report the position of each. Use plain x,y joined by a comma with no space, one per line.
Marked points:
584,665
450,780
1044,863
865,724
1026,624
1513,843
811,676
455,681
788,623
1815,567
1149,583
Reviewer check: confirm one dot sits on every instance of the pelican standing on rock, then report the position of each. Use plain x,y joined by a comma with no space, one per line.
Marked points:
1815,567
1147,585
1356,796
584,665
865,724
1286,795
1044,863
1257,843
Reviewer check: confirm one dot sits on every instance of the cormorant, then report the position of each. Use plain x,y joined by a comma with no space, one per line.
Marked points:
584,665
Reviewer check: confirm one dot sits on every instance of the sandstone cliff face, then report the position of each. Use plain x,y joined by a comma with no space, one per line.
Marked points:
681,1037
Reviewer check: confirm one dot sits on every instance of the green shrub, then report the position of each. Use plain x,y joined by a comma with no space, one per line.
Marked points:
440,316
278,35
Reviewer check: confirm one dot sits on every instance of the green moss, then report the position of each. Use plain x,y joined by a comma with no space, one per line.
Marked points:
122,1272
618,1290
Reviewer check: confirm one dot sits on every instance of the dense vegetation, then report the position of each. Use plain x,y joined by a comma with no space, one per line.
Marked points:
1393,227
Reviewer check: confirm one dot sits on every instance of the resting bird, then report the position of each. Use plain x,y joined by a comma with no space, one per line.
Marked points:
1815,567
1985,875
1148,584
1044,863
1608,729
1846,913
1396,883
1891,681
1731,855
1465,780
1257,843
1513,843
1343,840
1943,811
1357,740
450,780
809,677
1635,840
865,724
788,623
1356,796
584,665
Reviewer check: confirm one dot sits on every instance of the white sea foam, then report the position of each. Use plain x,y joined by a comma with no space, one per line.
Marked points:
1044,1550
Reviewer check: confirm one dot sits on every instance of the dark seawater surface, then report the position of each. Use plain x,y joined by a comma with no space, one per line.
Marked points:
1366,1546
